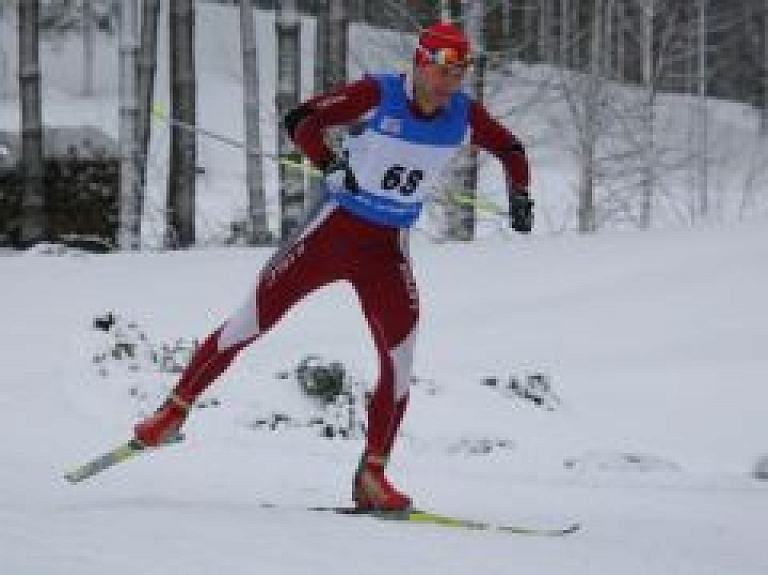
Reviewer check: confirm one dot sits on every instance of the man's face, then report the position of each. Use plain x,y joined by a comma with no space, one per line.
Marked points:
441,81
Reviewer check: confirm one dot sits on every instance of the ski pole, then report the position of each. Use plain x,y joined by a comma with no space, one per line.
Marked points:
158,113
457,197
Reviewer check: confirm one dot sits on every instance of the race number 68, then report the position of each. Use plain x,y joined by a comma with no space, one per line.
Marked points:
402,179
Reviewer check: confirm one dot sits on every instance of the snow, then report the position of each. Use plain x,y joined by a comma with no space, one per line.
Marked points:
655,344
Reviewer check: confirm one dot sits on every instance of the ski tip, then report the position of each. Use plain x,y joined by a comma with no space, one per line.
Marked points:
72,477
114,456
572,528
553,531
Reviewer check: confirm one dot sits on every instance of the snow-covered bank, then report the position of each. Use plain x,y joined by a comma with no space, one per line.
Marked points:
655,344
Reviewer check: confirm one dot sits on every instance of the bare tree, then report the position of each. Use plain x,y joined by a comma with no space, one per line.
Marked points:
649,117
181,180
564,35
146,67
357,10
764,115
764,67
459,218
331,42
258,229
87,48
288,58
445,10
591,131
474,13
130,182
84,17
702,121
616,146
34,221
331,39
322,44
586,95
546,35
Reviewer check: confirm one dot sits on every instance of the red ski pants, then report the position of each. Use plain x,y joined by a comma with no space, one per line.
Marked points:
332,245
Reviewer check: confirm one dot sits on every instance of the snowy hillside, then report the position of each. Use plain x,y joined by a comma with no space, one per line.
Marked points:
655,345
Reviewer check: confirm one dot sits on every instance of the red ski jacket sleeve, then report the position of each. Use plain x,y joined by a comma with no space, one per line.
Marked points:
490,135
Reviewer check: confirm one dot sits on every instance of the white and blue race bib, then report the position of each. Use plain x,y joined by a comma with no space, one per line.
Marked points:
397,156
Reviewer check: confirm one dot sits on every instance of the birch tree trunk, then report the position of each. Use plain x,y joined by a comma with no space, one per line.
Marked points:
649,115
331,52
87,49
34,221
356,10
609,49
702,121
621,49
291,178
129,236
564,38
258,227
146,67
446,14
589,137
460,220
181,181
322,45
529,38
546,31
764,115
337,50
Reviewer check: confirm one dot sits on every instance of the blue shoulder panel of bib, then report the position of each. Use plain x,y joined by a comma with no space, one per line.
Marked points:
393,116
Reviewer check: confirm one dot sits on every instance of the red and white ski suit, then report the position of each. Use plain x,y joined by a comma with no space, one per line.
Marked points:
335,244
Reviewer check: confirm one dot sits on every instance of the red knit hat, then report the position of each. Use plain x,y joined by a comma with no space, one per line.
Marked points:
443,43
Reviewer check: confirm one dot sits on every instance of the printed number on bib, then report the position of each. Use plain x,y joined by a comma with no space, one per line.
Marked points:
402,179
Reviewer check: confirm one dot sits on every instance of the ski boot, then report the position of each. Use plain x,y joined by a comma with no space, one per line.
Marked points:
164,424
372,489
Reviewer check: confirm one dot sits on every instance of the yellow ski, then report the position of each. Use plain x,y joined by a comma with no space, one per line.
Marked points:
121,453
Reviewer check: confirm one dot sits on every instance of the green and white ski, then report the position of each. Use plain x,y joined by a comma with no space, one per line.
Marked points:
442,520
119,454
131,448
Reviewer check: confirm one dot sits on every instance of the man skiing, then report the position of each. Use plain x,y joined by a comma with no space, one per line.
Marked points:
407,130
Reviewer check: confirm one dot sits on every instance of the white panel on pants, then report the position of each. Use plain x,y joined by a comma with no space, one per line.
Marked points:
402,359
244,324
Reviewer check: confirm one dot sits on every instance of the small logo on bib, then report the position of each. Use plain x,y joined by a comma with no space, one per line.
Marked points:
391,126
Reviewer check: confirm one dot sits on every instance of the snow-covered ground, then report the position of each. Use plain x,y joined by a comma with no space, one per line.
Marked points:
655,343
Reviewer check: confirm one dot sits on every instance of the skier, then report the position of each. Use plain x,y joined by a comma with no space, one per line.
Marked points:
408,129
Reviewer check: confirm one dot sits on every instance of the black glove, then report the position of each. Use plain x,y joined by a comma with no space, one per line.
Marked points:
337,171
520,211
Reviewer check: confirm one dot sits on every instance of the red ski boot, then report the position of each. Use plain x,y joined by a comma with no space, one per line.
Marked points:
164,424
374,491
